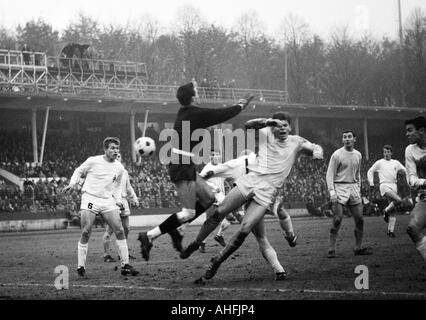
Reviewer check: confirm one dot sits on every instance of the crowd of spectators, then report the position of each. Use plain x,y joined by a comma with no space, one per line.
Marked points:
150,179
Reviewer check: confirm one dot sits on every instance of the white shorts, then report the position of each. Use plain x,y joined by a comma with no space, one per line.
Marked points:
253,186
348,193
385,187
98,205
218,194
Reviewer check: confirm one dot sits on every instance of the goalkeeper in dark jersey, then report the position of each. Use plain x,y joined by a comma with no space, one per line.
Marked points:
194,193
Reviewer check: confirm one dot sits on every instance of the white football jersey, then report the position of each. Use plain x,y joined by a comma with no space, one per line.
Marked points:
387,170
276,158
103,178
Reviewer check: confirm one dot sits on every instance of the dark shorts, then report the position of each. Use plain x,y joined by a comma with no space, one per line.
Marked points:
182,172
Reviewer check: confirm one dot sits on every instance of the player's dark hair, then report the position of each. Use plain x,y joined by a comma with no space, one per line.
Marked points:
419,122
347,131
387,147
185,93
109,140
282,115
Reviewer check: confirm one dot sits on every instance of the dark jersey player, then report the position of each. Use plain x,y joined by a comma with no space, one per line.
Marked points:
194,193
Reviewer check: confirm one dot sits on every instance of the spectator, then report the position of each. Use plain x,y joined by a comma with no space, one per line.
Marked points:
26,56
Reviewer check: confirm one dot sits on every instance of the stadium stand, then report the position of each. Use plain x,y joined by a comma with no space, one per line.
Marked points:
150,180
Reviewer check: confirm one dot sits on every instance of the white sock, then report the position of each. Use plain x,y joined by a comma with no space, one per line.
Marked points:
124,251
421,247
82,254
270,255
391,224
223,226
287,226
154,233
389,207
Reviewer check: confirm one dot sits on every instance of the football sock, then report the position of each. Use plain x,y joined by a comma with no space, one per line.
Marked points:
172,222
154,233
333,237
287,226
391,224
270,255
421,247
107,244
208,227
124,251
359,233
389,207
82,254
223,226
235,242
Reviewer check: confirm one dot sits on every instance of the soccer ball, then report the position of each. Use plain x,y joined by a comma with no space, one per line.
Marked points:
145,146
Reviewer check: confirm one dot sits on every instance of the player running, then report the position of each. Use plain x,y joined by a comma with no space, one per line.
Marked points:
235,169
127,193
101,195
193,191
388,168
277,153
415,162
344,185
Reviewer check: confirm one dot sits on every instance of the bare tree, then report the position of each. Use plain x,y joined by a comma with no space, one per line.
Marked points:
415,59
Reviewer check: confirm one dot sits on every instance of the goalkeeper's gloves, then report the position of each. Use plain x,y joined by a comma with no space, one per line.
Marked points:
243,103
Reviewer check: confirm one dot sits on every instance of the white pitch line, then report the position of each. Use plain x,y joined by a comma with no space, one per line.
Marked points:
314,291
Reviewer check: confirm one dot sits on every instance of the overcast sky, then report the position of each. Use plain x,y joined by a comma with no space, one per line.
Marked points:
379,17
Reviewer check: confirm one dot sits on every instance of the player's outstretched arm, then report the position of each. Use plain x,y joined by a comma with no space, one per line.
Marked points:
206,117
370,173
67,188
78,173
75,178
315,149
260,123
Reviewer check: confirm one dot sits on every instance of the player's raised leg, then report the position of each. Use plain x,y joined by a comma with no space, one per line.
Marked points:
196,197
286,225
222,227
233,200
255,212
395,201
87,221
